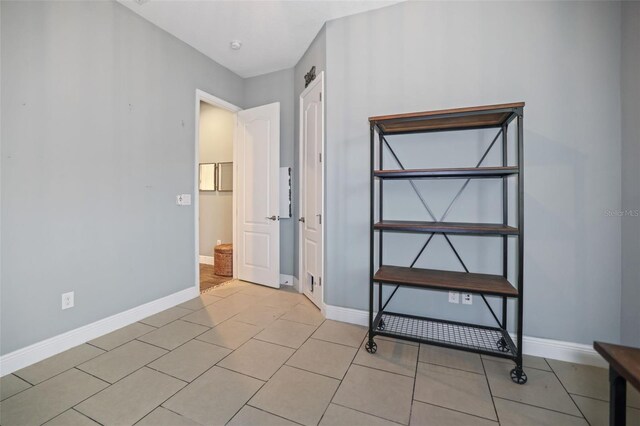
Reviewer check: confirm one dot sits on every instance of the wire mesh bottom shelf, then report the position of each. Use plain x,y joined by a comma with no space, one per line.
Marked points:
463,336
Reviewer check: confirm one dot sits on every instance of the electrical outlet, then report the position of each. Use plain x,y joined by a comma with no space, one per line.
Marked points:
218,242
67,300
454,297
467,299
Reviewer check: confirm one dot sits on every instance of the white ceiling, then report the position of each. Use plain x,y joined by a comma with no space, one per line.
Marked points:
274,34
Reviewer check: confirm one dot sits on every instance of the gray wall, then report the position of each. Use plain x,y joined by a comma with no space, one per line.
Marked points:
630,90
563,59
264,89
315,55
97,140
217,128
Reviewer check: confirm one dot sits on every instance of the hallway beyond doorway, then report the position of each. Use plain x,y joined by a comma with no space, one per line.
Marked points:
208,278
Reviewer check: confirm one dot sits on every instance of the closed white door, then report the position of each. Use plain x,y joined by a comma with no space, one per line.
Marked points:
311,196
258,226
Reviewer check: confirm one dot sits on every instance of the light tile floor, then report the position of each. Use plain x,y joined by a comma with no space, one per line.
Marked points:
252,356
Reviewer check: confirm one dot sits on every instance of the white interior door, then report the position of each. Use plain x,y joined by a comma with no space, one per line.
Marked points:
311,197
258,226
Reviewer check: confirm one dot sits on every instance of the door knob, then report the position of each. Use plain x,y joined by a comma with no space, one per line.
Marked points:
274,217
301,220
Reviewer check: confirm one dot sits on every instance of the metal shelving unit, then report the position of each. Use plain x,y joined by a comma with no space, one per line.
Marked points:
490,340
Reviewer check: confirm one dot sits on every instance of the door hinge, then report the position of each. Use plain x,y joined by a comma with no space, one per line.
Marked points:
320,96
320,157
319,281
319,219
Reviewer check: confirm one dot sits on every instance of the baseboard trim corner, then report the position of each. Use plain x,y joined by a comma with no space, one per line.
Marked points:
36,352
207,260
547,348
286,280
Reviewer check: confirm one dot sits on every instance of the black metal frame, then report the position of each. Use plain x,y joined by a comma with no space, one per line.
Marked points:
504,346
617,398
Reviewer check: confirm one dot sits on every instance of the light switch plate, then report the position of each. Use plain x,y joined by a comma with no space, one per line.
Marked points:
454,297
183,199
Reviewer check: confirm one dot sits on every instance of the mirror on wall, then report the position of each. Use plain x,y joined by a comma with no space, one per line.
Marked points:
225,177
208,176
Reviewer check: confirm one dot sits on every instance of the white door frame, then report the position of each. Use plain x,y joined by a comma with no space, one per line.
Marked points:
220,103
318,80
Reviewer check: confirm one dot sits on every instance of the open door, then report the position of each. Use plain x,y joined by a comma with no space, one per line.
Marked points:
312,191
258,226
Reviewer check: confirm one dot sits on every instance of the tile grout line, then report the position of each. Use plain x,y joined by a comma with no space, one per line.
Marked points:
565,389
345,375
264,411
122,344
82,414
486,378
165,408
451,368
55,375
202,374
458,411
285,363
574,401
90,396
415,380
94,376
67,410
17,393
385,371
180,345
312,372
368,414
537,406
499,361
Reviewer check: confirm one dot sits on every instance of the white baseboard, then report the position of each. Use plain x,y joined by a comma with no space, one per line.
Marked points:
286,280
547,348
564,351
207,260
38,351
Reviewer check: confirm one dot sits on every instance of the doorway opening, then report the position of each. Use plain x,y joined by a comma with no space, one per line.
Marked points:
215,199
237,159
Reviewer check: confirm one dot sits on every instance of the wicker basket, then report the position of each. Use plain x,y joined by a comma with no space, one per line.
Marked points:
223,260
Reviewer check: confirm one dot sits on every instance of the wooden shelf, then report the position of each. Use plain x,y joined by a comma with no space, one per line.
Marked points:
446,227
446,280
447,119
464,172
624,359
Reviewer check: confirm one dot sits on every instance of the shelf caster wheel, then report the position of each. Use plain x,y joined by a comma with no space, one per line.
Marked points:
518,376
371,347
502,345
381,325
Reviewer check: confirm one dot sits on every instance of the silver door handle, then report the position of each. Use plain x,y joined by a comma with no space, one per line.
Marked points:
274,217
301,220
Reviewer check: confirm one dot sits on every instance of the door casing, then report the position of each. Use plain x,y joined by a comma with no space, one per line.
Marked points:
319,80
220,103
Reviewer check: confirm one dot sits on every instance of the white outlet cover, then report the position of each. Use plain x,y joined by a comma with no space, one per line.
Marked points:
454,297
67,300
467,299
